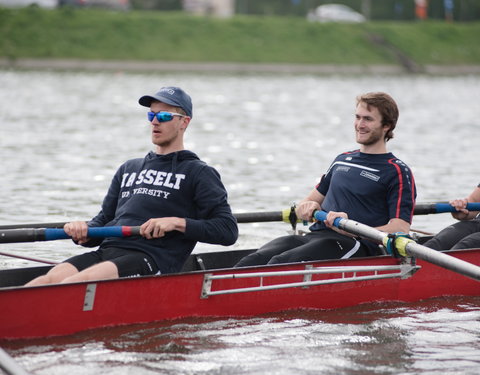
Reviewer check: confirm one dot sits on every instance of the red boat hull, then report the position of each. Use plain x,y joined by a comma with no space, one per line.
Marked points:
66,309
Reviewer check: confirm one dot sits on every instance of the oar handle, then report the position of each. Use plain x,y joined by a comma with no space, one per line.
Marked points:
95,232
322,215
49,234
438,208
446,207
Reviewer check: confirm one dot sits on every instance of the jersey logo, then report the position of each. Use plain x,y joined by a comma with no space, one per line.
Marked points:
369,175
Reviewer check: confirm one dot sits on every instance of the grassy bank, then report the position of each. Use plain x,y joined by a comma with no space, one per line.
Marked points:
149,36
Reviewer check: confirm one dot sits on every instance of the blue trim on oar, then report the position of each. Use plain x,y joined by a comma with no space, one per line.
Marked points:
446,207
59,234
51,234
322,215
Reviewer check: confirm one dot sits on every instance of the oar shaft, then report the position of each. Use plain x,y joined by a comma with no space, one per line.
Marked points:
438,208
257,217
285,215
27,258
443,260
412,248
242,217
9,365
49,234
33,225
22,235
354,227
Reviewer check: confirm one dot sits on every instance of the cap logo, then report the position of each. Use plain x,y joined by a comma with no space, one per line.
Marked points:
168,91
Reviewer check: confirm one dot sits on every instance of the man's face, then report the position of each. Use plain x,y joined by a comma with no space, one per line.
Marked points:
166,133
368,125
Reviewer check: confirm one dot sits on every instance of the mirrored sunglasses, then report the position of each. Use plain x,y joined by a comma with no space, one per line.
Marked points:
162,116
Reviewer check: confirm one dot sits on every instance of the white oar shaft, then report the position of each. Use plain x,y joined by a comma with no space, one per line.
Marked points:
9,365
411,247
443,260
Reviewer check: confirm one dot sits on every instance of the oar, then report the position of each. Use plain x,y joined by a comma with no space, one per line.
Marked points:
9,365
27,258
33,225
49,234
438,208
287,215
405,245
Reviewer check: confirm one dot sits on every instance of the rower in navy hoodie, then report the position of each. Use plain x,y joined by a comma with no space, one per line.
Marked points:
173,196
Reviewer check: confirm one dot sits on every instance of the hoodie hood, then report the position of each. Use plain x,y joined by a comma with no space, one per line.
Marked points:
174,158
178,155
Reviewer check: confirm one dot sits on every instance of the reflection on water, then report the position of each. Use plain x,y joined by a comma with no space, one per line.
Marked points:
62,136
434,336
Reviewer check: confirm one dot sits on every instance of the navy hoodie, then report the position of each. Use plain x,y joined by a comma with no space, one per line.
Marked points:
177,184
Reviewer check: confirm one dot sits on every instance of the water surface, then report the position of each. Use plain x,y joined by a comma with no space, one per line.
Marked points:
62,136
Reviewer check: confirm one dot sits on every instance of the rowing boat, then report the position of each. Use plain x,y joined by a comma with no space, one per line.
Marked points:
208,286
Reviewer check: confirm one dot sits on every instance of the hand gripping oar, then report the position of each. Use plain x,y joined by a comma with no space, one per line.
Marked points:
49,234
405,245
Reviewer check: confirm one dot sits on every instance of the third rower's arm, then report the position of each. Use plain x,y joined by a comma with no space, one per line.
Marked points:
460,204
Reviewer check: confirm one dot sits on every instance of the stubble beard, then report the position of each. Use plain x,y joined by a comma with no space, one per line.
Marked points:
165,143
373,138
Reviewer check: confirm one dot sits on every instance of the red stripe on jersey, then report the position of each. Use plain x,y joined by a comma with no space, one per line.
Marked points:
400,187
413,196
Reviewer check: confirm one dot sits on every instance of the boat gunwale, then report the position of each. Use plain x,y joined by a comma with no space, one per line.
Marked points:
182,273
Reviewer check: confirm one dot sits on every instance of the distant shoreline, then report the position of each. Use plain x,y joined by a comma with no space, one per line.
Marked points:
226,67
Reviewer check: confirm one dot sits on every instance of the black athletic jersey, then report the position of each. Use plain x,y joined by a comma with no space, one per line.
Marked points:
371,188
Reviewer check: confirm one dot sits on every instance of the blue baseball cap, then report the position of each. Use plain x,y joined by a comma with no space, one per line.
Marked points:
170,95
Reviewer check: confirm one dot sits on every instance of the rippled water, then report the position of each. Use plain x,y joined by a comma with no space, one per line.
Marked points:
439,336
62,136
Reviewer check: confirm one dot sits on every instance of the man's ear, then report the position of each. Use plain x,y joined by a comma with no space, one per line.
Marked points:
186,122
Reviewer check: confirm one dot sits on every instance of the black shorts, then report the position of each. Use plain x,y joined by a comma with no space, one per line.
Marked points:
129,263
318,245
